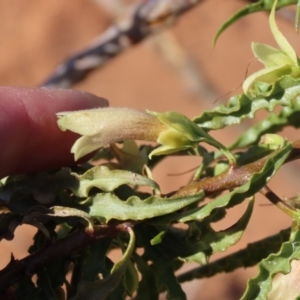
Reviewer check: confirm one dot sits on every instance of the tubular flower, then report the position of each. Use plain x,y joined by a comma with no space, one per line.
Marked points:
103,126
277,62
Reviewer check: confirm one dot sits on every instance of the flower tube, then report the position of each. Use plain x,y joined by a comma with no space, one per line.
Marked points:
103,126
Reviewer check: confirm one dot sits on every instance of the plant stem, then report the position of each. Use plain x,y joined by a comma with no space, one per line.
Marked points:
18,269
234,176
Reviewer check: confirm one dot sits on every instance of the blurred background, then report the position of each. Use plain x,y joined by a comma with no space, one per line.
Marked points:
178,69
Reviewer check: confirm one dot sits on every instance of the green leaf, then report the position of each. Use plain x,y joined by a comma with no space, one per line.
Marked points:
201,241
158,238
95,261
100,290
146,289
280,38
247,257
259,287
119,291
297,16
43,214
288,116
163,269
261,5
44,187
222,240
277,62
21,192
240,107
107,206
131,279
106,180
255,183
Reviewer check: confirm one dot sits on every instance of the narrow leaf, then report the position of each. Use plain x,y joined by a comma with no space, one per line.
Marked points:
222,240
104,179
280,38
247,257
95,260
261,5
107,206
131,279
43,214
146,289
242,107
100,290
288,116
256,182
259,287
297,16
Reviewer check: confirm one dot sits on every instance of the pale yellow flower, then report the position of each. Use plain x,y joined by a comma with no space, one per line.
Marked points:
278,62
103,126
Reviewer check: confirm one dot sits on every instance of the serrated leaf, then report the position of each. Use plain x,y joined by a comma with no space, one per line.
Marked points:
106,180
222,240
21,192
288,116
215,216
259,287
201,241
100,290
44,187
241,107
255,183
43,214
100,177
107,206
247,257
297,16
286,286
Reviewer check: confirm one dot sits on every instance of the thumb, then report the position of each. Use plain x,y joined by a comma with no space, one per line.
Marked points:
29,136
